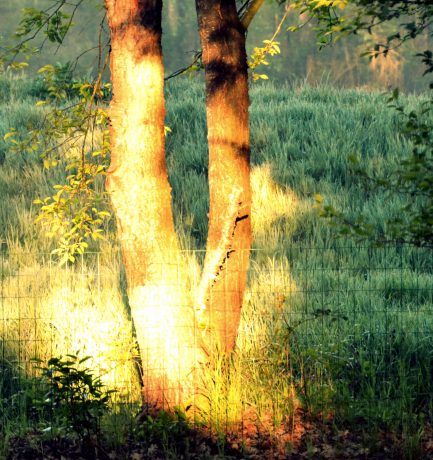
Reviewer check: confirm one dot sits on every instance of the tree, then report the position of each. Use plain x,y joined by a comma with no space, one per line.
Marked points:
174,331
229,239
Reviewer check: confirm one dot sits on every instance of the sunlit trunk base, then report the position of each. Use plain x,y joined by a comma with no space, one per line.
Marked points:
170,354
229,238
141,197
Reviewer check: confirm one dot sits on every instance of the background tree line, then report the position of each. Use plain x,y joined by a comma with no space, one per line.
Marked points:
300,59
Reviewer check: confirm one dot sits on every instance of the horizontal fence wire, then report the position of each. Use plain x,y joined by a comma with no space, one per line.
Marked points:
334,330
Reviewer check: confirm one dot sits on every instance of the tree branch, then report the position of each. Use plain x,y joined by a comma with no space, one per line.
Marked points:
246,18
251,11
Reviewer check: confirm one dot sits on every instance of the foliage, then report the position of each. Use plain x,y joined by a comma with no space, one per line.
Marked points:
167,430
412,223
79,127
53,23
75,399
337,18
271,48
259,57
413,178
75,125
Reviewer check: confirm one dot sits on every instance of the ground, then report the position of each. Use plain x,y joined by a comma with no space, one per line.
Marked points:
301,438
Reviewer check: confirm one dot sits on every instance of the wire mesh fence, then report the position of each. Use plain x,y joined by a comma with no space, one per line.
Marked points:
344,332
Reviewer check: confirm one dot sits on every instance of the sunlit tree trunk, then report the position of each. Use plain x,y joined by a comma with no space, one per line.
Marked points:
229,238
141,198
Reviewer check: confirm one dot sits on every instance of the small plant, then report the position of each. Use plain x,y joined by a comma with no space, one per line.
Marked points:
75,399
167,431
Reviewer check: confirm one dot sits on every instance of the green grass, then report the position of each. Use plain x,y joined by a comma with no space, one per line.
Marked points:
336,328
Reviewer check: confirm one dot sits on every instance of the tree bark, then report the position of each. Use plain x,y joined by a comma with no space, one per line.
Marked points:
222,286
138,184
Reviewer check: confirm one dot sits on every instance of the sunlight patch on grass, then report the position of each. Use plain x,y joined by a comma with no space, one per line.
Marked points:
270,201
59,311
271,293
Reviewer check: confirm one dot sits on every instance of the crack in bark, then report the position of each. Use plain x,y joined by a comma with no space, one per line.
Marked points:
216,263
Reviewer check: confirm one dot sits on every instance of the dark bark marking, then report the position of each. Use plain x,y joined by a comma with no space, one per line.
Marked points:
146,19
243,150
150,15
226,34
238,219
222,74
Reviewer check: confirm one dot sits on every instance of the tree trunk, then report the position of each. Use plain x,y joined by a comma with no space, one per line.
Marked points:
229,238
141,197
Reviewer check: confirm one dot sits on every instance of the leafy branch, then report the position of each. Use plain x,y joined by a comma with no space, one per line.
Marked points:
74,134
52,22
271,48
412,180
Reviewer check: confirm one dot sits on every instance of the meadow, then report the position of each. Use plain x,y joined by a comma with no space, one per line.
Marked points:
337,331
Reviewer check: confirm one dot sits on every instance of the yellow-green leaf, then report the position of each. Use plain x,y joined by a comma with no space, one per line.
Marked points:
9,135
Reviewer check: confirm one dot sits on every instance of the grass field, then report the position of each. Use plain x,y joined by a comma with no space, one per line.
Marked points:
342,331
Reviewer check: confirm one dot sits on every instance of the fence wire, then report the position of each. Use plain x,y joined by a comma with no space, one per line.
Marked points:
341,332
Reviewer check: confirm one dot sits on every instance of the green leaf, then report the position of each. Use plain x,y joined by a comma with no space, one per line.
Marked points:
9,135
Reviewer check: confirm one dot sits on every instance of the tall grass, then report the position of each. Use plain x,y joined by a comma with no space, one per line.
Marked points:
340,329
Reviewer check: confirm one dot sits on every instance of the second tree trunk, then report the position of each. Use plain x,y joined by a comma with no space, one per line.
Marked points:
227,101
